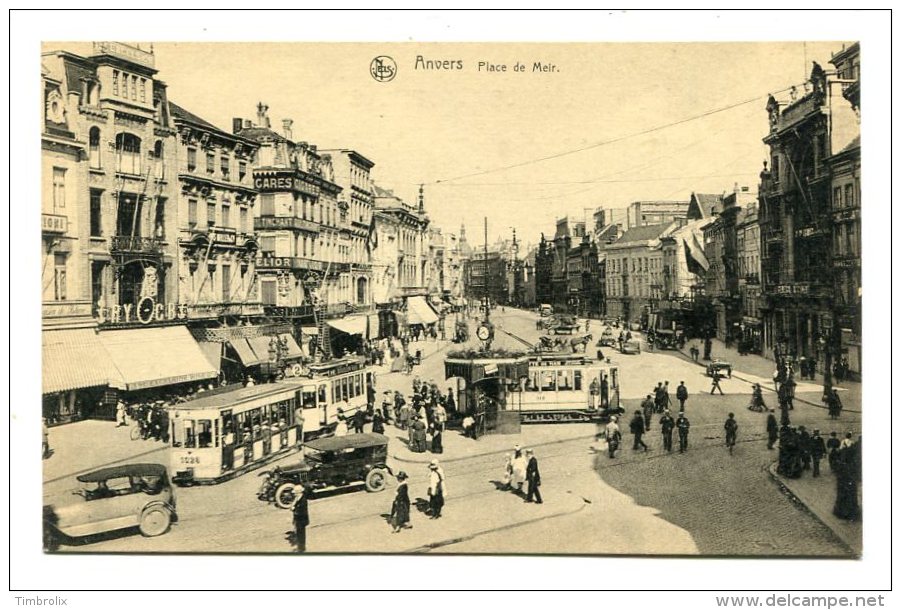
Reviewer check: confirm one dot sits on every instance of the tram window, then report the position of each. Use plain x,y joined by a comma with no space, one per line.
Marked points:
344,389
190,434
549,381
359,379
336,392
563,381
532,383
309,398
177,434
228,424
216,433
283,411
323,394
228,434
204,433
577,380
614,378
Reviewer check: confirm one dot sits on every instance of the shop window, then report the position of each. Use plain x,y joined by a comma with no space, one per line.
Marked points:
192,159
59,189
94,147
59,277
128,153
96,213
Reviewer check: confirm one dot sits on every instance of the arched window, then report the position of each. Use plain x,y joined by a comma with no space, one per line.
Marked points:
128,153
94,145
159,160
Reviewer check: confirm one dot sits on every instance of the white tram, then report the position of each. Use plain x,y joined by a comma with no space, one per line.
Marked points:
222,435
567,388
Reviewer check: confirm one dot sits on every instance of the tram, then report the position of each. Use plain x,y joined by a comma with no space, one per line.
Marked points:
563,388
217,437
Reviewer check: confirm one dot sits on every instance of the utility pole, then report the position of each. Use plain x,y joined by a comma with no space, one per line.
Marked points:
485,295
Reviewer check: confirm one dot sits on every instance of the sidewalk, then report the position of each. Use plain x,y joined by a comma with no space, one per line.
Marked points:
763,368
818,496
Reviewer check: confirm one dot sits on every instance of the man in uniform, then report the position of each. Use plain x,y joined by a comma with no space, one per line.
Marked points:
683,425
667,423
682,395
301,513
772,429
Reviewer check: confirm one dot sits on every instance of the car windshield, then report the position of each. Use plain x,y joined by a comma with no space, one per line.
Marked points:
322,457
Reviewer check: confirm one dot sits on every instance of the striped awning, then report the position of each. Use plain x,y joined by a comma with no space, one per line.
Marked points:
294,350
420,312
154,357
245,352
352,325
73,359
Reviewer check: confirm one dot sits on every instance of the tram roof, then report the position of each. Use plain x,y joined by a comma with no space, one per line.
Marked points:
238,395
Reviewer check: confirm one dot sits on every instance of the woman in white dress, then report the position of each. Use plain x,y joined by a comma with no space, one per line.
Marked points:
519,467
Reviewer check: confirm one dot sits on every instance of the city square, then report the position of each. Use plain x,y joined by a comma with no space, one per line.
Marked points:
254,343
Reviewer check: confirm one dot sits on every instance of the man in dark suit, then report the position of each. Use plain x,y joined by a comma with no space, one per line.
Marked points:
533,478
301,519
667,423
683,425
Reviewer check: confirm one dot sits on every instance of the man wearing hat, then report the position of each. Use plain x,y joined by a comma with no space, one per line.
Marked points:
533,478
636,427
817,451
683,425
400,508
682,395
437,489
667,423
301,514
772,429
612,433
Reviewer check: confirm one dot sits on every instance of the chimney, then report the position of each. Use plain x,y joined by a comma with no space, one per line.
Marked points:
263,115
313,147
248,123
237,124
286,128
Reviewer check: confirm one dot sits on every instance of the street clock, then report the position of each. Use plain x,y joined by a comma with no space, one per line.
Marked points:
485,331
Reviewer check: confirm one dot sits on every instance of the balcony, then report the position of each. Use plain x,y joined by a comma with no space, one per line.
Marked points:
284,222
54,223
126,244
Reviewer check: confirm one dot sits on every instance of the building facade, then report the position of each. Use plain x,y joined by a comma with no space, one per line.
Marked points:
795,216
634,272
747,230
649,213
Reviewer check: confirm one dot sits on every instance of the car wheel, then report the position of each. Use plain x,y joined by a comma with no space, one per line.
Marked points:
284,495
155,521
376,480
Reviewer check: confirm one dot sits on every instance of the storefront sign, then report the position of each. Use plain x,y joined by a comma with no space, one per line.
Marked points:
847,263
146,311
54,223
283,222
808,232
213,310
64,309
288,312
269,182
219,235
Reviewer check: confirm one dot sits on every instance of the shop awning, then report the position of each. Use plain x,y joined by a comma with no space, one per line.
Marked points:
309,330
260,347
73,359
153,357
294,350
420,312
213,352
352,325
245,353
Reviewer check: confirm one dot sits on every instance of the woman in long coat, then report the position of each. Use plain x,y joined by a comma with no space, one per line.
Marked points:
400,508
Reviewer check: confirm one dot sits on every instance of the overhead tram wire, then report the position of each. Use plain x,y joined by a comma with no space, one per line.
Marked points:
614,140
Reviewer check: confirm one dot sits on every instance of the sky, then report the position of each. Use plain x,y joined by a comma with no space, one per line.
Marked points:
459,128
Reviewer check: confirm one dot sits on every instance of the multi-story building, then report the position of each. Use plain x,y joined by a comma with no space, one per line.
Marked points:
846,245
109,149
215,228
634,271
648,213
747,238
795,215
352,174
485,276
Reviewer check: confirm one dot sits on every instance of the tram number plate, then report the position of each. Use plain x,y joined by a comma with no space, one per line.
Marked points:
190,459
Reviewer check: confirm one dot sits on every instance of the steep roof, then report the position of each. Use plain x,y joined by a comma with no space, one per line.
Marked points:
701,205
637,234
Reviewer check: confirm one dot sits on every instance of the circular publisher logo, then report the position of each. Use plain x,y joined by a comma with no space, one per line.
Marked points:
383,68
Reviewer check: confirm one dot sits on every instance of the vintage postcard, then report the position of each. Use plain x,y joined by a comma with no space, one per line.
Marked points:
466,298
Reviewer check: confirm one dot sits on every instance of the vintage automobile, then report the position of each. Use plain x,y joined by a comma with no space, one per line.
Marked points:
608,338
333,463
114,498
668,339
545,310
563,324
719,365
632,346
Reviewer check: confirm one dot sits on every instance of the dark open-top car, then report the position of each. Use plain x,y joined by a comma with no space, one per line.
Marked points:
721,366
334,462
113,498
